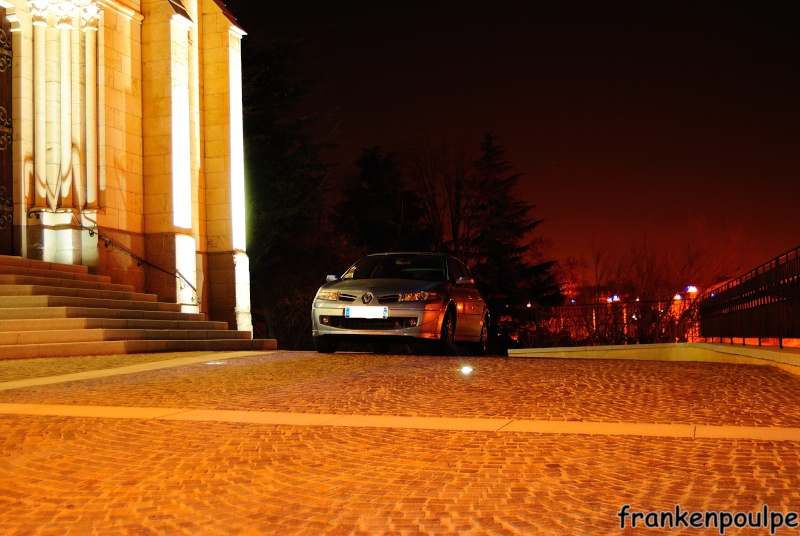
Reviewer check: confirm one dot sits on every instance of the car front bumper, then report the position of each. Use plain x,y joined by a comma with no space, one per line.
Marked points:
413,320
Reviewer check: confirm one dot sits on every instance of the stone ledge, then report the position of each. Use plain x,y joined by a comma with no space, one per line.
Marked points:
787,359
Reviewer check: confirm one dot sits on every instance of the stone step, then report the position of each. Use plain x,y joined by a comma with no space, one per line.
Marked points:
57,310
41,290
93,335
19,262
18,302
35,324
89,312
29,279
54,274
29,351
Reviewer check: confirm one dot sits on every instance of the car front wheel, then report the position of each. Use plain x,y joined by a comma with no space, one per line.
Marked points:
447,340
325,345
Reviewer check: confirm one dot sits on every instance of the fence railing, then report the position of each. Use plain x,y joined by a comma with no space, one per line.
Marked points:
619,322
764,303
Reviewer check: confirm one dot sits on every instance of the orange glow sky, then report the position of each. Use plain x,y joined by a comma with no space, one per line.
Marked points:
629,120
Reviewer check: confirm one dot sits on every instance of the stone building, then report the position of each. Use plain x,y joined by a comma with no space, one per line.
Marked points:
121,146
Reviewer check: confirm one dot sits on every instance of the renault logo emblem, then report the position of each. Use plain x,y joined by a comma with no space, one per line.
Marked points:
366,298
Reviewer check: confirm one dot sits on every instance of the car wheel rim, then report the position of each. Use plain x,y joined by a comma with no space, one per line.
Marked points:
449,332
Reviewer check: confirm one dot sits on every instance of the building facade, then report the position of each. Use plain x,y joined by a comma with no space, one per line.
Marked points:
121,145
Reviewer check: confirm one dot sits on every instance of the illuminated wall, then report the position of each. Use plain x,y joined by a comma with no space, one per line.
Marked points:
228,265
127,121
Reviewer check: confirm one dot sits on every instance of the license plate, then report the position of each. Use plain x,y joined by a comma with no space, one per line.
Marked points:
359,311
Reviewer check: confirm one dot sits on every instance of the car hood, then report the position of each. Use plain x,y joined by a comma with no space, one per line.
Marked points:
383,285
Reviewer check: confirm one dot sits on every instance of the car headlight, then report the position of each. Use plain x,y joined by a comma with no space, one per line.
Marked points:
419,295
330,295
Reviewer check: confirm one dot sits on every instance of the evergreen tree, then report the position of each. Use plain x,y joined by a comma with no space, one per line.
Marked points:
285,177
501,250
379,212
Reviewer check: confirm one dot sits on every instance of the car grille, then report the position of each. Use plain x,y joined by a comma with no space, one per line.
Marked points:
377,324
386,298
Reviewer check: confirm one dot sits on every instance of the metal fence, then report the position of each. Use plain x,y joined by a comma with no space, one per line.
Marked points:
618,322
763,303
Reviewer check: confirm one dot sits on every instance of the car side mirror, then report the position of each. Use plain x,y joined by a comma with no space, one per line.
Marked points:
465,281
331,278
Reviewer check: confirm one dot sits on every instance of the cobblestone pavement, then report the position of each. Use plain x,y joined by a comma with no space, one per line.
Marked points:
73,475
521,388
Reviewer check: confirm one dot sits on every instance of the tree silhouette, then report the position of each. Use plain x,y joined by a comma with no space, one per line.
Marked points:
502,251
379,211
286,179
423,167
442,171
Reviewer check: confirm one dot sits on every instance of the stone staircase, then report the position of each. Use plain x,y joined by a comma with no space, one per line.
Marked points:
58,310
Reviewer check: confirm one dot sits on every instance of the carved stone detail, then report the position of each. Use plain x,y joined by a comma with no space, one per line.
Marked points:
90,13
40,11
65,11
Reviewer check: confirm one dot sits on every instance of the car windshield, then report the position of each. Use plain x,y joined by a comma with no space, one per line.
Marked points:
418,267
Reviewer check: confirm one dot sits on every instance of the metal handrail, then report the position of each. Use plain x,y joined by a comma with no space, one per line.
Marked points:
762,303
108,241
139,260
773,264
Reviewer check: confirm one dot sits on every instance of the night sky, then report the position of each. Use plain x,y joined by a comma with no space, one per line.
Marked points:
663,122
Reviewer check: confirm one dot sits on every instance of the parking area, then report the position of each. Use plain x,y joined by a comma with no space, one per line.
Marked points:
350,443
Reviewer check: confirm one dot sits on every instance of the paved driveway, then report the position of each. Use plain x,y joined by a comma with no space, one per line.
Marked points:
300,443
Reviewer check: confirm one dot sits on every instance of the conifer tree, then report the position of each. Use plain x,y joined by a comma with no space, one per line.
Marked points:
286,179
378,211
503,255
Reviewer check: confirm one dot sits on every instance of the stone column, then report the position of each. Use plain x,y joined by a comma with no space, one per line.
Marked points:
91,18
61,128
228,271
63,186
168,209
40,11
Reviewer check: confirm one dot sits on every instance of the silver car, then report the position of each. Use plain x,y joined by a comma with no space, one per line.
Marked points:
401,297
